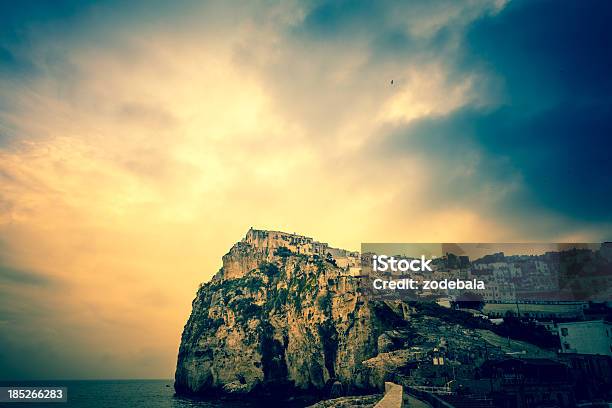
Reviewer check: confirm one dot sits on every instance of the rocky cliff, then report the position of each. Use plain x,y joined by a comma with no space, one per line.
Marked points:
281,312
284,313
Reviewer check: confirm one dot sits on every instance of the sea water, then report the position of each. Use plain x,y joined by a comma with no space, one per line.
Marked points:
123,394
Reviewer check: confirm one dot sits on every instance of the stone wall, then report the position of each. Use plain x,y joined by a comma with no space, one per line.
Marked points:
394,396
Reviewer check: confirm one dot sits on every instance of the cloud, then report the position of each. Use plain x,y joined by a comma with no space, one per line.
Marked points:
546,138
139,143
548,59
16,276
553,126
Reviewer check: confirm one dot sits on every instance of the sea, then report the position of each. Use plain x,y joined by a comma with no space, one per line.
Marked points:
125,394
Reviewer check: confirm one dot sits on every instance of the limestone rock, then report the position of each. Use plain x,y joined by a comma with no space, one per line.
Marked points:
385,343
281,313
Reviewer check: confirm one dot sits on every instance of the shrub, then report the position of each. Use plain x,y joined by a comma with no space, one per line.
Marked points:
269,269
283,252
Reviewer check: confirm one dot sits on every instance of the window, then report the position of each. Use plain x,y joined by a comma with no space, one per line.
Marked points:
564,331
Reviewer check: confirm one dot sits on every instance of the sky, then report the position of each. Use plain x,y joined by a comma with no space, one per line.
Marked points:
140,140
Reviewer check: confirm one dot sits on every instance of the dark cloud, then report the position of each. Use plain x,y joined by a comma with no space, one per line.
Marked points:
19,19
23,277
10,275
13,64
24,319
337,18
546,52
551,127
388,30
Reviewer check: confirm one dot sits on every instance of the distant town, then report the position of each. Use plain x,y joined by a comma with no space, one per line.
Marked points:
563,294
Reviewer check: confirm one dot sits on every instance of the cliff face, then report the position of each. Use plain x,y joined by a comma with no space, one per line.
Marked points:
281,312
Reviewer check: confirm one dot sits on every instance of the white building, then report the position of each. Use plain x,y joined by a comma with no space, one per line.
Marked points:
591,337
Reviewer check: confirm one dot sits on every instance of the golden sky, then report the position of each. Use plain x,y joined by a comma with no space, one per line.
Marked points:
136,146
